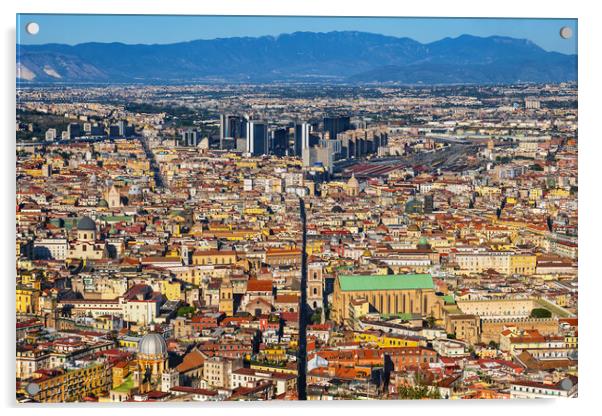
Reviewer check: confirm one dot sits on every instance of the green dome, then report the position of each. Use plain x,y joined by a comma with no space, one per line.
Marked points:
423,244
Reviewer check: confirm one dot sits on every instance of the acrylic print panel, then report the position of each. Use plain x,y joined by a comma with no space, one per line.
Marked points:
291,208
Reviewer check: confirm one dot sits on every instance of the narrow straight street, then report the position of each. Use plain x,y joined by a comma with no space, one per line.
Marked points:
153,163
302,353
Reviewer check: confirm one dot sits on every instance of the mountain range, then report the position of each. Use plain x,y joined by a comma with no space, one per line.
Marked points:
348,56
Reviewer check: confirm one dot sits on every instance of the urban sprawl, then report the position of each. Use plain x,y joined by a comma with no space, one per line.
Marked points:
282,242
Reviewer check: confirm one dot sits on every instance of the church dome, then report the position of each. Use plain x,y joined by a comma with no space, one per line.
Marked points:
423,244
152,344
353,182
86,224
413,228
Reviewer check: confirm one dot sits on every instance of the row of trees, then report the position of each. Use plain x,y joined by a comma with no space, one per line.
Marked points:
418,392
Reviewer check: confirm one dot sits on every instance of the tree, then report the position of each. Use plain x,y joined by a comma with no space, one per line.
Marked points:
431,321
316,317
420,390
540,313
550,223
185,310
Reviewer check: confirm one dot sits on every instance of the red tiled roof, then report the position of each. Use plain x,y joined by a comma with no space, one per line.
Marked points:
255,285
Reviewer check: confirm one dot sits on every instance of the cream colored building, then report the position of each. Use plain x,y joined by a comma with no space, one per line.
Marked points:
505,262
86,246
217,371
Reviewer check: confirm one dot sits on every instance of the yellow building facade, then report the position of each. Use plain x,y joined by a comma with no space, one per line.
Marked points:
73,385
384,341
214,257
27,300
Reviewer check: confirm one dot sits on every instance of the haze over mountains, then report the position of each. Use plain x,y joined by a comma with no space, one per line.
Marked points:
350,57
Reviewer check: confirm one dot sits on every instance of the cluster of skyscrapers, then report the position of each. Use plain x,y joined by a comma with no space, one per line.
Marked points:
315,143
74,130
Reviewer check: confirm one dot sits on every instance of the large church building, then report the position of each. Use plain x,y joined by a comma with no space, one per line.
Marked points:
385,294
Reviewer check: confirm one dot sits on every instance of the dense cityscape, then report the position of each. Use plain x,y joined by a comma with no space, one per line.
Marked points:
296,242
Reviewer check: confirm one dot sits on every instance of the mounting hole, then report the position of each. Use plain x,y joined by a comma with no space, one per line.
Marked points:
566,32
32,28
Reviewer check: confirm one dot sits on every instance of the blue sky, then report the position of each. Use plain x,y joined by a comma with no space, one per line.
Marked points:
73,29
